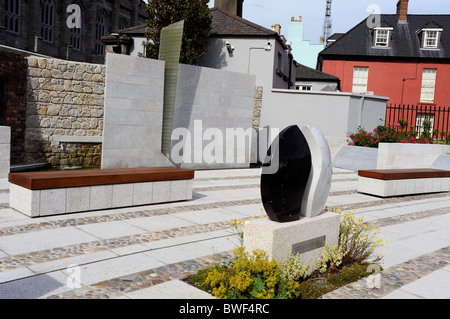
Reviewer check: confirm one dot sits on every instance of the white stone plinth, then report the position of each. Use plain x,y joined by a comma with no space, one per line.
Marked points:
308,235
400,187
57,201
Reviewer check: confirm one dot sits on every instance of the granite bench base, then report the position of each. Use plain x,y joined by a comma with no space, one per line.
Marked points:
72,199
389,183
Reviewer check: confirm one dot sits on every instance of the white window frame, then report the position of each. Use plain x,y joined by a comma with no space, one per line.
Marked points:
428,88
360,79
434,40
305,87
12,18
382,41
420,118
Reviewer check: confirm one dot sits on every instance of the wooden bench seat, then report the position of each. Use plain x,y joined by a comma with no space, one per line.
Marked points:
60,192
397,182
78,178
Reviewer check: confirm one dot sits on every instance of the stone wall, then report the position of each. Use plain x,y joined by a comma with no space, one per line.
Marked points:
64,100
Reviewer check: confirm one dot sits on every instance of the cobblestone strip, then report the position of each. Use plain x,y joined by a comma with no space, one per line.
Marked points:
388,221
392,200
28,259
118,287
13,230
394,277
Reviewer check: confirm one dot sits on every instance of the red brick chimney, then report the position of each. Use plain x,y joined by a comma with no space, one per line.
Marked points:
402,11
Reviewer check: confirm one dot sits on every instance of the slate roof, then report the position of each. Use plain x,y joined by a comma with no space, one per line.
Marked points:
404,43
224,23
305,73
136,30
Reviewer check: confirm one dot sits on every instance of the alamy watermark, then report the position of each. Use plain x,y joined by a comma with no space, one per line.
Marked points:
73,277
374,280
223,146
374,20
74,19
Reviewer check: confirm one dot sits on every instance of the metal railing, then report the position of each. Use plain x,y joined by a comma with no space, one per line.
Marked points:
414,117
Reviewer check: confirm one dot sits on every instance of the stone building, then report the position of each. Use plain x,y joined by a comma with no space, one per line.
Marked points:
58,29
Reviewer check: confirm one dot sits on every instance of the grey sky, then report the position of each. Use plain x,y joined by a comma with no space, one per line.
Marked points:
345,13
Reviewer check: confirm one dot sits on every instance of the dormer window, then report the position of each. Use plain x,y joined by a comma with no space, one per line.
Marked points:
382,37
430,40
430,35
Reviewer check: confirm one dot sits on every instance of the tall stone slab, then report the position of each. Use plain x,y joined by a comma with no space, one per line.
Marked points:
134,93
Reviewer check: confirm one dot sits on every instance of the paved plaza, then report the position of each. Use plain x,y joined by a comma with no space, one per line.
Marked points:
144,252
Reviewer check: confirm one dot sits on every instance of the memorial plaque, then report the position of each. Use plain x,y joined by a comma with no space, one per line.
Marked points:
308,245
282,192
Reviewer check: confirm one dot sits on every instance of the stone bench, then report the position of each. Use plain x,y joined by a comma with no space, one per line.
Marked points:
398,182
53,193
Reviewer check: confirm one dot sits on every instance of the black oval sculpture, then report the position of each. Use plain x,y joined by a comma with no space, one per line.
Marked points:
282,192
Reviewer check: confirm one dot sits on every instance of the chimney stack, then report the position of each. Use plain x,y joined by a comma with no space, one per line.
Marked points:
231,6
402,11
276,28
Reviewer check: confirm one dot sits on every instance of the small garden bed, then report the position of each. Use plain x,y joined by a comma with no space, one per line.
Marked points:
398,133
253,276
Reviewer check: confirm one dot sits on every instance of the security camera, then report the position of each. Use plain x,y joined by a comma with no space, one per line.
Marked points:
230,48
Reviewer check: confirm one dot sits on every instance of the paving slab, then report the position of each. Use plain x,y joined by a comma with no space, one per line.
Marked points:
431,286
42,240
174,289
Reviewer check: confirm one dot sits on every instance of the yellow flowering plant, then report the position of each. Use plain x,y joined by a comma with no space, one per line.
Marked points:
251,276
358,241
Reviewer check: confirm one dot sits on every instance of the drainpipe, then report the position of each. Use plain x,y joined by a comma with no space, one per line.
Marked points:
361,109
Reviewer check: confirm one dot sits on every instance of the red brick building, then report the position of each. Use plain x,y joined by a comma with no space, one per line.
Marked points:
403,57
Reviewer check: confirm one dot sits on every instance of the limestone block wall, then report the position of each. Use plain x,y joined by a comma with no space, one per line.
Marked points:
206,99
216,107
64,99
5,150
133,113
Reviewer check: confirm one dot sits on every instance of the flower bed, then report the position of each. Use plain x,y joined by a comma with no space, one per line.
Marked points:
253,276
393,133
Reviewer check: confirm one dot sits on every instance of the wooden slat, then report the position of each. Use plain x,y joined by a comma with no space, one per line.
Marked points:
79,178
393,174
